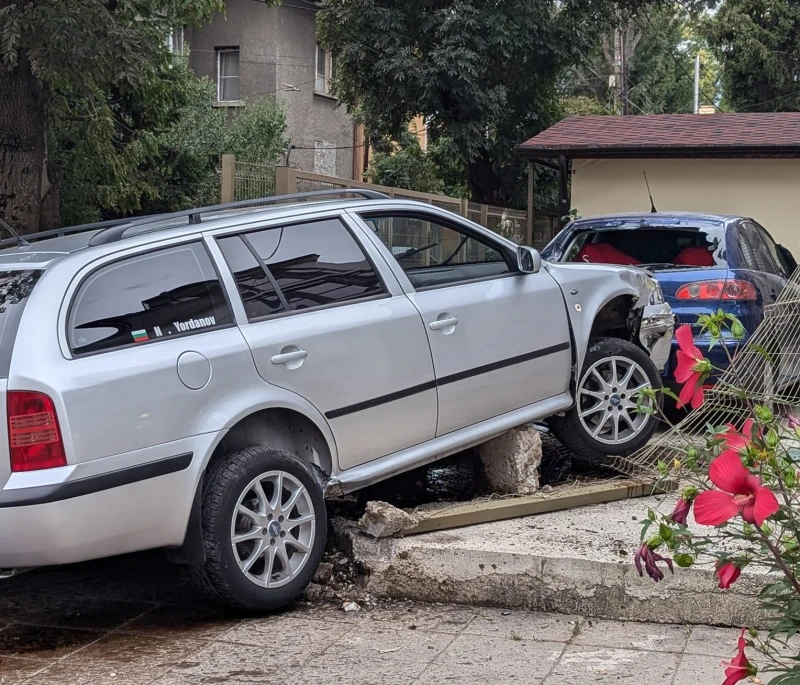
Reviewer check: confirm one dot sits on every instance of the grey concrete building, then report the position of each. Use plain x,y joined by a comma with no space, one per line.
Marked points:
253,51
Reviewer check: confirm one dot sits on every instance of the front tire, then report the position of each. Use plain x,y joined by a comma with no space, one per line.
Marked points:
264,526
604,421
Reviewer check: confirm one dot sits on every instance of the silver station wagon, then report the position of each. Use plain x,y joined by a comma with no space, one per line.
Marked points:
201,381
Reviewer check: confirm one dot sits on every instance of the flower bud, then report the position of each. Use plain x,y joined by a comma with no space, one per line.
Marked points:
772,438
764,414
737,330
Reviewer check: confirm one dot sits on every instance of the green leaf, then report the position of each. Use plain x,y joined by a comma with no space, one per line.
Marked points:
760,350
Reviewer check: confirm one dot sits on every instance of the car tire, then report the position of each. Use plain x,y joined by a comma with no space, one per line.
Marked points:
289,535
603,422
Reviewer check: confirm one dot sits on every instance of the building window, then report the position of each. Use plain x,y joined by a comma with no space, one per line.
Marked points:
227,74
325,70
175,41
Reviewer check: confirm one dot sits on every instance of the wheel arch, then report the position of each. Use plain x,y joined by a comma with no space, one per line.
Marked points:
275,426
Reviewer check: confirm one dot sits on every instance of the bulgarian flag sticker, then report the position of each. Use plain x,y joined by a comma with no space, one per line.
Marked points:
140,336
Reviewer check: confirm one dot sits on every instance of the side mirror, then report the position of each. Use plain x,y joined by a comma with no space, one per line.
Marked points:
528,260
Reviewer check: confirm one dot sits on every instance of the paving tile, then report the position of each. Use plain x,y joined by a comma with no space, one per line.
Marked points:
279,636
14,670
440,619
528,625
43,643
480,674
501,656
120,658
361,670
173,621
378,645
699,669
713,641
586,664
92,614
235,663
654,637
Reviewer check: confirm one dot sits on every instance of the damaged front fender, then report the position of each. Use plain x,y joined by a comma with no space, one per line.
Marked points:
588,288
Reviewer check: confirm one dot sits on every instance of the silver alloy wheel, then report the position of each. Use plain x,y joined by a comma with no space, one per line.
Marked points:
273,529
607,397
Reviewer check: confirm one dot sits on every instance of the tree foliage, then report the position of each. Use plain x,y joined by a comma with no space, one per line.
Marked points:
157,149
483,74
661,43
98,74
404,164
758,41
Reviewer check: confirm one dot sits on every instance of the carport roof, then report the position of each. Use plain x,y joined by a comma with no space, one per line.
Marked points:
769,134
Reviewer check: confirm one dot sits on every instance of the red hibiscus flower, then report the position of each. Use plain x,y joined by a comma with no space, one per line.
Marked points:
734,440
728,574
739,667
682,508
691,370
740,492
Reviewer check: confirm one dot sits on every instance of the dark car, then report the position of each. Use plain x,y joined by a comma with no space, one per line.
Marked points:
703,262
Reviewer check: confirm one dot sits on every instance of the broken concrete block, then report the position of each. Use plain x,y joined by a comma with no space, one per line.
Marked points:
512,460
382,520
323,572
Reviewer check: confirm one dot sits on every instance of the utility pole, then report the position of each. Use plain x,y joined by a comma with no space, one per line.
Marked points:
697,84
621,57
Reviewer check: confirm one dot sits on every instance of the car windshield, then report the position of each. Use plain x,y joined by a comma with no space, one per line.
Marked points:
655,247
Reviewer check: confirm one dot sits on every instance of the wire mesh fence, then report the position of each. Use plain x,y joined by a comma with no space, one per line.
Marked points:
764,370
251,181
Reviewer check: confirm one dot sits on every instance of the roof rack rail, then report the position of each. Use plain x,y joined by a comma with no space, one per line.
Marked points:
68,230
117,232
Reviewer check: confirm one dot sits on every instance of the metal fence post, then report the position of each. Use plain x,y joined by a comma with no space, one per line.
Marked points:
531,200
228,183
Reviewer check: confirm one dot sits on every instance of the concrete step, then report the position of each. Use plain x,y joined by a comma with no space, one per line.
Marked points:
573,562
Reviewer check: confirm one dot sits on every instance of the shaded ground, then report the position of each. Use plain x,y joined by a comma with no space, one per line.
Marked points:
137,620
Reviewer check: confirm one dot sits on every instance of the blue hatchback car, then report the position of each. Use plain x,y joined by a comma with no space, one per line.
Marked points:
703,262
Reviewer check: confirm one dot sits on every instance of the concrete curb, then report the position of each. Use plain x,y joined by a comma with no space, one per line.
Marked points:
467,566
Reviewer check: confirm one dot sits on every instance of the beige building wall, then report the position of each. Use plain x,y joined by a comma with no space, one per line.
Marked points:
767,190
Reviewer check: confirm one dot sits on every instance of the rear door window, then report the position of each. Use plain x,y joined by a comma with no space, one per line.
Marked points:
307,265
148,297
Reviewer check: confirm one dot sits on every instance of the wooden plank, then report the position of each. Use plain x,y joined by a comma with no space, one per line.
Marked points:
471,513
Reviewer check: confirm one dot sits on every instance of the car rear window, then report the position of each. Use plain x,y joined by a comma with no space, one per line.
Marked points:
651,247
15,288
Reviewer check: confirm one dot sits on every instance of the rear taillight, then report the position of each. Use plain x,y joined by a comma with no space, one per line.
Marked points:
730,289
33,433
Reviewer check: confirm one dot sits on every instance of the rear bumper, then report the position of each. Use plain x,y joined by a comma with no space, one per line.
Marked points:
122,510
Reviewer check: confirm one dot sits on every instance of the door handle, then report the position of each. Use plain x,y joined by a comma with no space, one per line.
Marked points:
439,324
289,357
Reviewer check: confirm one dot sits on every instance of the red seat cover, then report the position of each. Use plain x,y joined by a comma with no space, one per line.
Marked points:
694,256
600,253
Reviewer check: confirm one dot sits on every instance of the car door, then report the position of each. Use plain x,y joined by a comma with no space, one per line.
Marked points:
499,339
323,323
